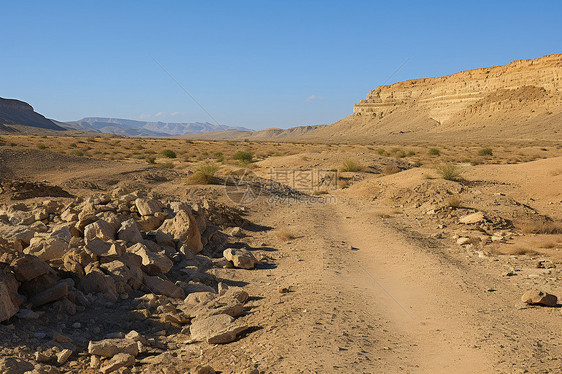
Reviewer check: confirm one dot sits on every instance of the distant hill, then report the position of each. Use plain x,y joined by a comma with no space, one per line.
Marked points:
129,127
266,134
16,112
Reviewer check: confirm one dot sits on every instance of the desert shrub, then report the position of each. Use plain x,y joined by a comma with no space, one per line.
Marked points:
73,145
204,175
381,152
453,202
219,156
78,153
168,153
350,165
167,165
41,146
434,152
485,152
411,153
243,158
150,159
448,172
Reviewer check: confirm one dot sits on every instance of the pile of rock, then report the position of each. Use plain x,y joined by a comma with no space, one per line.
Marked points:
70,255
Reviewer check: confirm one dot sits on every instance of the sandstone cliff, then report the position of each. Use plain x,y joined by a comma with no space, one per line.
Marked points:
520,100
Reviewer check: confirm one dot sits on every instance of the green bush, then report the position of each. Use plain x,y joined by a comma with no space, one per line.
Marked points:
168,153
448,172
485,152
78,153
219,157
41,146
434,152
244,158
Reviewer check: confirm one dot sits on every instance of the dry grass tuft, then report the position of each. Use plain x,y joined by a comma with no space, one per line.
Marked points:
453,202
350,165
204,175
544,227
284,234
513,251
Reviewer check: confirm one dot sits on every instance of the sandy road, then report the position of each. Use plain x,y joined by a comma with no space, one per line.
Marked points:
398,303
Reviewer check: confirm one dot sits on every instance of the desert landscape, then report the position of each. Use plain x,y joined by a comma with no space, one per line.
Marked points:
428,251
292,187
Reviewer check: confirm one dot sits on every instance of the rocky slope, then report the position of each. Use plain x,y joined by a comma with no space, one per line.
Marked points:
15,112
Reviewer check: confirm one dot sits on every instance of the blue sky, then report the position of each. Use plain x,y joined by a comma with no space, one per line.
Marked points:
256,64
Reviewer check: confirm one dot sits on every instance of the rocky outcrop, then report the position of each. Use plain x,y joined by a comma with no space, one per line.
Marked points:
486,89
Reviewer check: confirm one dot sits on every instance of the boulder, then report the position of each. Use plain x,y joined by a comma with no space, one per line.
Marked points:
217,329
539,297
240,258
152,263
96,281
162,286
51,294
148,207
118,361
464,240
472,218
184,227
29,267
112,347
99,229
129,232
98,247
47,249
7,307
149,223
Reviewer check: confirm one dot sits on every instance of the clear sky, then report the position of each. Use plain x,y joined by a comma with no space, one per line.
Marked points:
256,64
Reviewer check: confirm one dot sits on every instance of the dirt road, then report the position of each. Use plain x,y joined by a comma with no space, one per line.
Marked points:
395,302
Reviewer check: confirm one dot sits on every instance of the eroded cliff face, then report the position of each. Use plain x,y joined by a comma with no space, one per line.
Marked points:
523,84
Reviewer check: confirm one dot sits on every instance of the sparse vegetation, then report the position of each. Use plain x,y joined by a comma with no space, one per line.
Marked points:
204,175
150,159
284,234
350,166
453,202
41,146
168,153
167,165
78,153
434,152
243,158
485,152
448,172
541,227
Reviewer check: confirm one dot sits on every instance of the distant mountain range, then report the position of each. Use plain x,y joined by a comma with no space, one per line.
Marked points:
18,116
129,127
